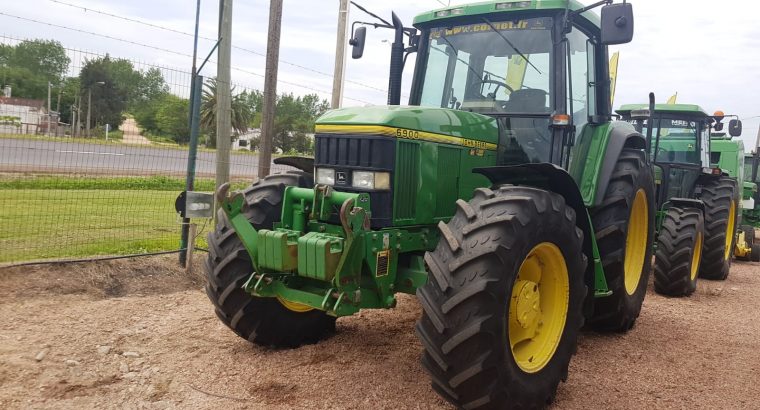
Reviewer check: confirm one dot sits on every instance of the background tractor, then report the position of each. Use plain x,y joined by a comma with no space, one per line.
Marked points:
697,204
504,197
751,211
728,155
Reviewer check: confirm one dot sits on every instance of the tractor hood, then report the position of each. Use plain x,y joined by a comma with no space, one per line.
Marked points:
398,120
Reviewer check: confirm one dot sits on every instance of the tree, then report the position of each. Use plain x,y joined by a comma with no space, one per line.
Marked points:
68,91
46,58
242,112
151,86
30,65
171,118
294,119
127,88
109,99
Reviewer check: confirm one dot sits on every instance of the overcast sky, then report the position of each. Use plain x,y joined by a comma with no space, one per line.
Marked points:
711,59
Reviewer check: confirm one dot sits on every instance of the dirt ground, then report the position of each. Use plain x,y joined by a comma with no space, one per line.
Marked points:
141,334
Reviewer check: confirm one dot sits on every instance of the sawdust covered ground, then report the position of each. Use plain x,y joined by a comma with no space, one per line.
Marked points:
141,334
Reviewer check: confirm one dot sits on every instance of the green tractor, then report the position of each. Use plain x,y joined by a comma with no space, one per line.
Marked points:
728,155
697,204
751,212
504,197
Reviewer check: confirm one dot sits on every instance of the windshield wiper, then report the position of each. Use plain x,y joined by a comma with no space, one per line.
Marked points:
456,55
510,44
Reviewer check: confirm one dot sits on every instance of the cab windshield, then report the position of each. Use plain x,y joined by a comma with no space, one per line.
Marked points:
501,68
490,67
678,140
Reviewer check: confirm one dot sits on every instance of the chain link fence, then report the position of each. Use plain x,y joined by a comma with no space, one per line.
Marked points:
92,159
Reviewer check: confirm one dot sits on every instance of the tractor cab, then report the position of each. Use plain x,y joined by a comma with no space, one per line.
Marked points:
535,68
679,146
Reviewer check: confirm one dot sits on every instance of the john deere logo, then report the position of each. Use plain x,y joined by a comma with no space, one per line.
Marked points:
340,178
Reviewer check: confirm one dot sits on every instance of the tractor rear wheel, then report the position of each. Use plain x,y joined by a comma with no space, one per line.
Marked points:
754,255
679,251
624,228
264,321
721,210
503,304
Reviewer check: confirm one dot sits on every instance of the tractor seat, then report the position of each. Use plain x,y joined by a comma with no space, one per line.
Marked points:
527,100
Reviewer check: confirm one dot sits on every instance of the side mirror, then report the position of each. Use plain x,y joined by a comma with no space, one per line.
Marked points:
357,42
735,128
617,23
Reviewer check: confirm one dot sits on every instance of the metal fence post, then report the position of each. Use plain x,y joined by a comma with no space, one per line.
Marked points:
192,153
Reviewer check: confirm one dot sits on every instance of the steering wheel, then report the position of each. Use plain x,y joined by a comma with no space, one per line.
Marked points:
498,84
662,153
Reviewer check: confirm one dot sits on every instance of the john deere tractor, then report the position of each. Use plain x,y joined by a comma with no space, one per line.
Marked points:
697,203
728,154
751,212
503,196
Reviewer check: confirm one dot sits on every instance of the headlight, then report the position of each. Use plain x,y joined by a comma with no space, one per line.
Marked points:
326,176
363,179
371,180
382,180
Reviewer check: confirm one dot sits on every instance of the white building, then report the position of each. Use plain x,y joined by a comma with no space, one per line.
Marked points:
243,142
23,116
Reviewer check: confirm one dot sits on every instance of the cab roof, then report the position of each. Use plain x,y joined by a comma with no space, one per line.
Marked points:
488,7
692,109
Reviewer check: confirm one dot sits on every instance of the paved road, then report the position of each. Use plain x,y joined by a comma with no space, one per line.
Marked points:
19,155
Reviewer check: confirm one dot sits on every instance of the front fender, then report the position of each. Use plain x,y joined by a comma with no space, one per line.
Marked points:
555,179
595,154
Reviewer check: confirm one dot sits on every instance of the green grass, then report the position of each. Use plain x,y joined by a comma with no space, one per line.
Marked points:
160,139
53,217
53,223
154,183
116,140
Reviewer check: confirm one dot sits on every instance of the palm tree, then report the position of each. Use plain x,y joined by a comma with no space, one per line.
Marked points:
242,113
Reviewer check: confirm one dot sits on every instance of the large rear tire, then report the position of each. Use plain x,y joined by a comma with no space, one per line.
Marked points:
624,228
679,251
503,304
264,321
721,210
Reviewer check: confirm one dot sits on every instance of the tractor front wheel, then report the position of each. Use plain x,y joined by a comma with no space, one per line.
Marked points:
679,251
264,321
721,210
503,304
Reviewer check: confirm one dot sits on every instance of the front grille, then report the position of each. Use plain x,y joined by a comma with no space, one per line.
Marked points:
407,181
346,153
367,152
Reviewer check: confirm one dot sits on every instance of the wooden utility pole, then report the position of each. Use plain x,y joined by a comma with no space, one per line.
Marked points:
339,73
270,88
223,97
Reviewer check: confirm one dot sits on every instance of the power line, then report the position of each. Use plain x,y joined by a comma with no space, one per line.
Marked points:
96,34
167,51
145,23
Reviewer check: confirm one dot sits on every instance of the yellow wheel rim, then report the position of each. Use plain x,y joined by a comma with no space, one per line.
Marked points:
697,256
294,306
538,307
636,242
730,229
